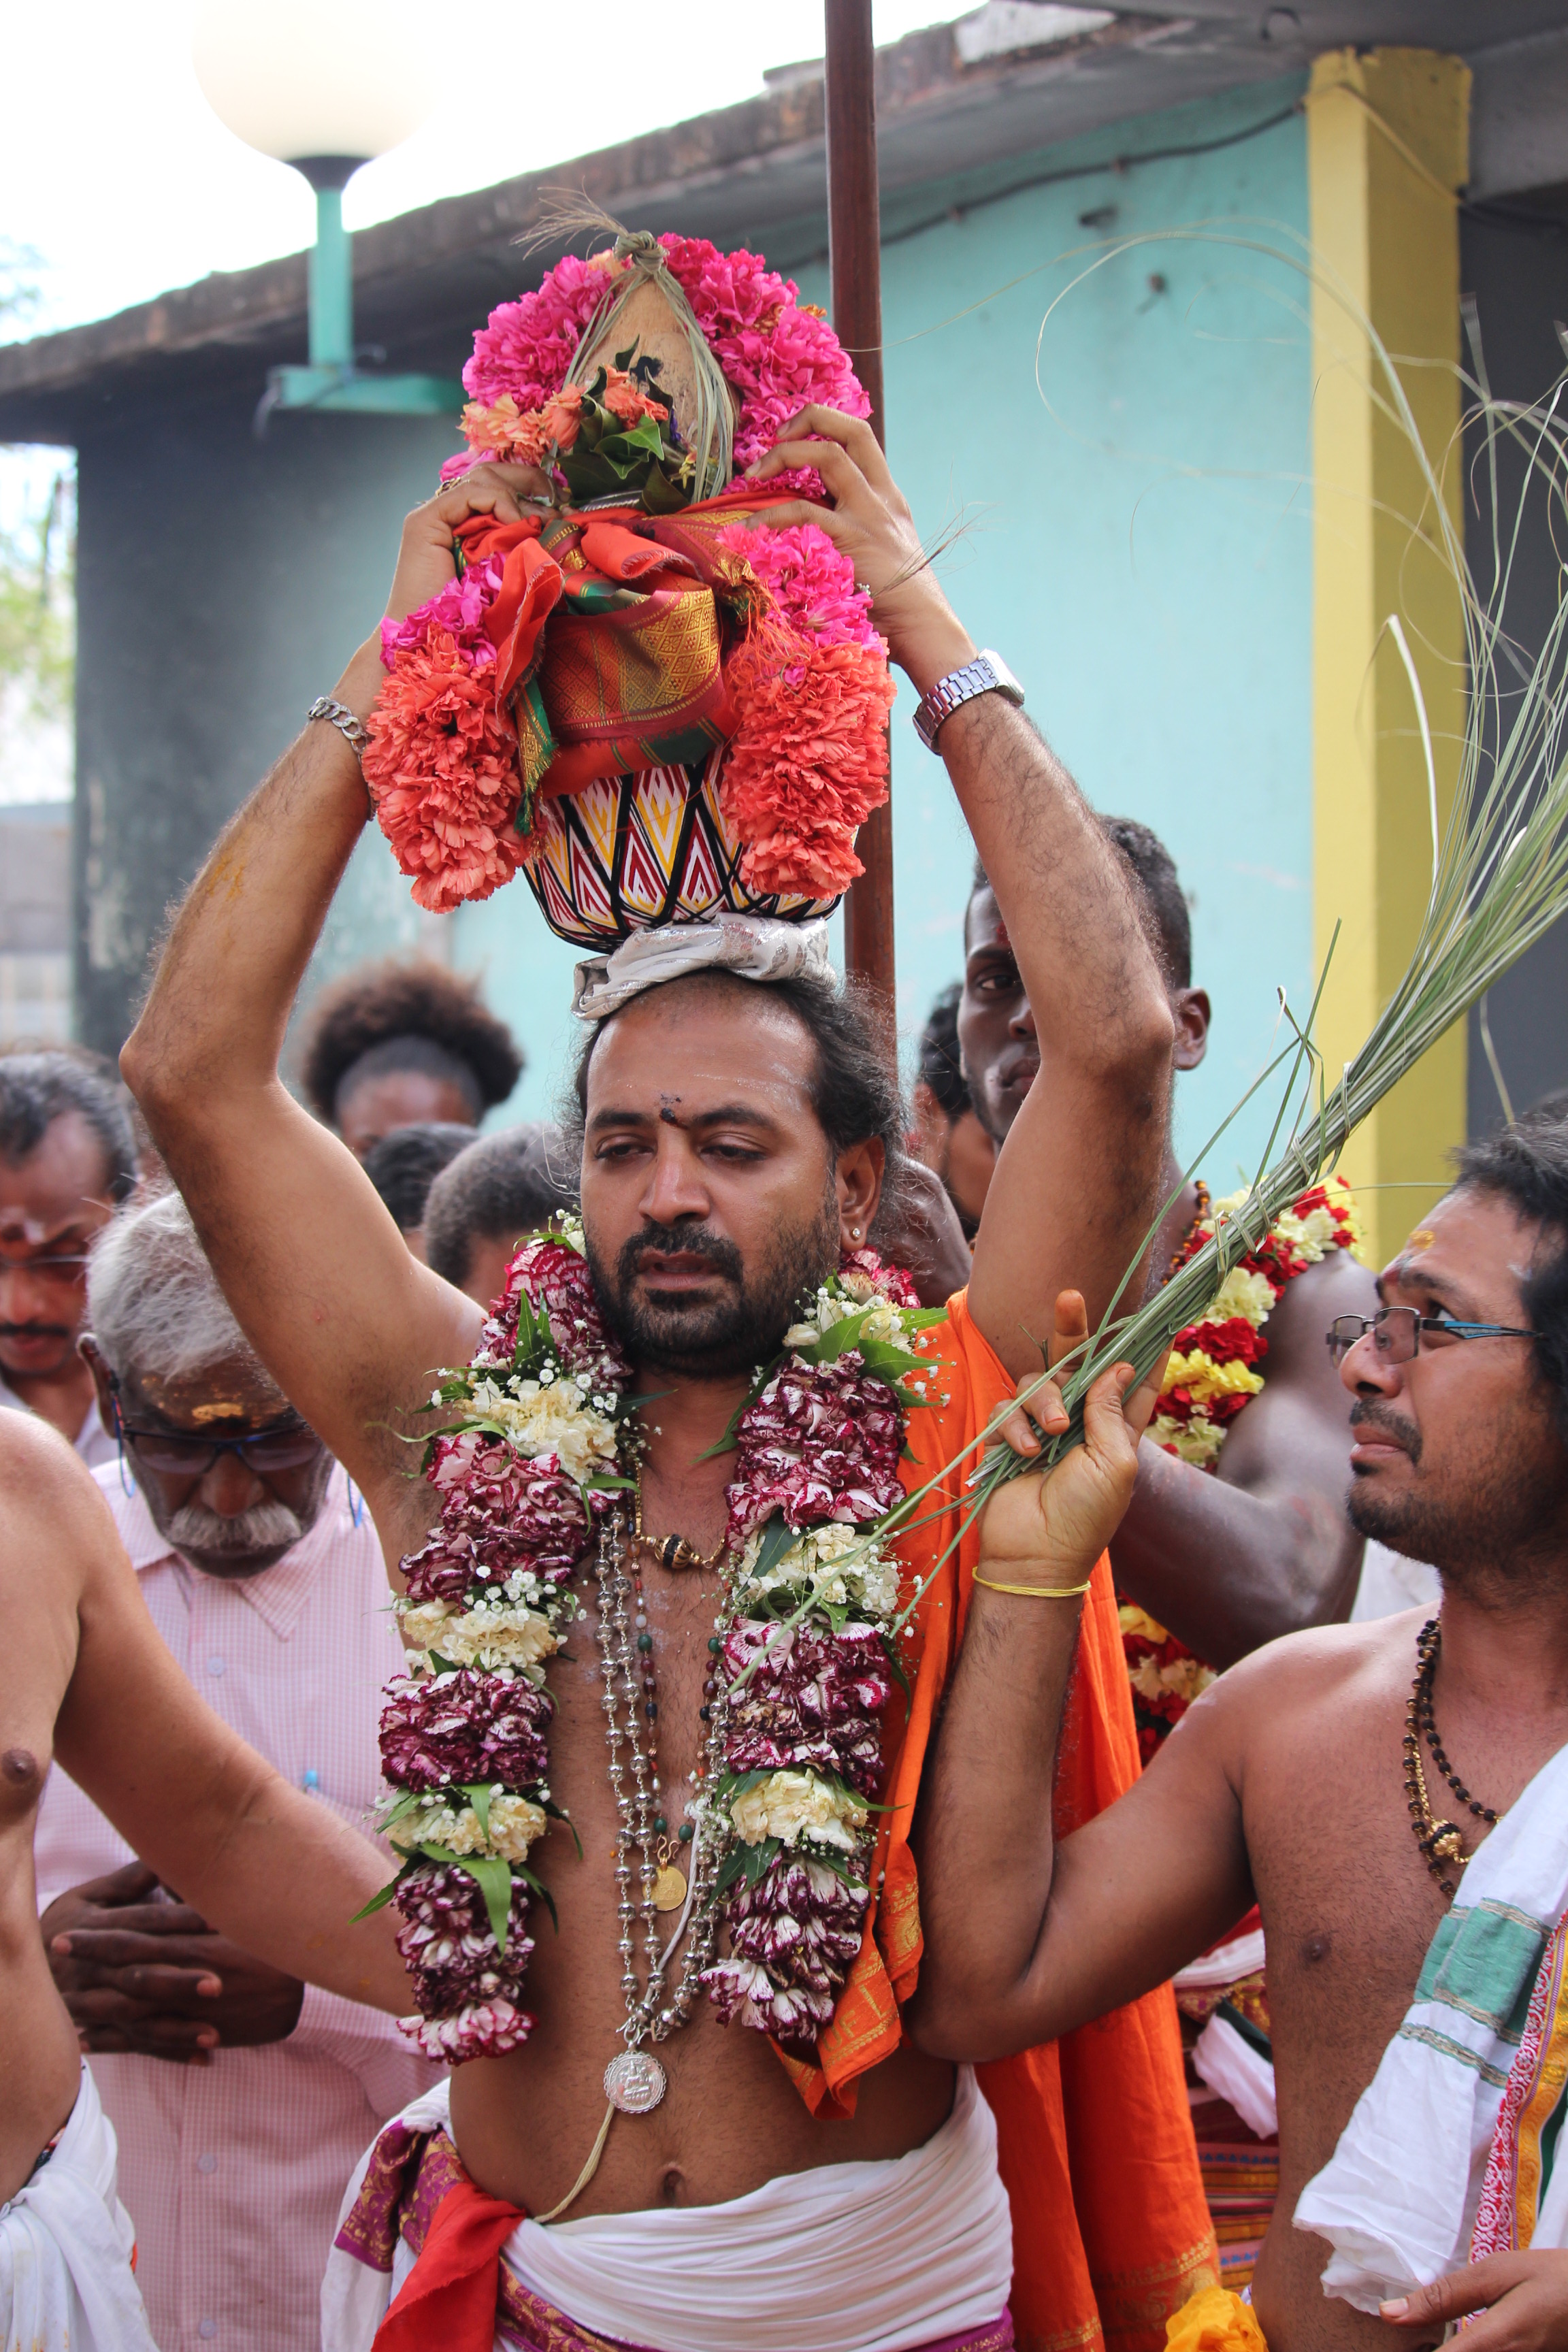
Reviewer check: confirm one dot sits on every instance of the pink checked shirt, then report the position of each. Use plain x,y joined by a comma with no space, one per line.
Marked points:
233,2172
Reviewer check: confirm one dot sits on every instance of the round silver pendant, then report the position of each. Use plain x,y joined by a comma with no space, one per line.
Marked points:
634,2082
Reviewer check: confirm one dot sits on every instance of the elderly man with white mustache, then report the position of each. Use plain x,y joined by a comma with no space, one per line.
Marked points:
241,2098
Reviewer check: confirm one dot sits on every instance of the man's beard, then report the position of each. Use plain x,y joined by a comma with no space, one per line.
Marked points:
714,1340
1493,1534
262,1534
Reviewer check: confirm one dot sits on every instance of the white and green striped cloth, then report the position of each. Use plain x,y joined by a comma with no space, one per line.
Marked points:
1397,2199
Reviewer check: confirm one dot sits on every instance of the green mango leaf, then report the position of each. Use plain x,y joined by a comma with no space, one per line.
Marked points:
837,1337
888,1361
410,1802
778,1537
478,1796
536,1887
378,1902
754,1859
490,1874
895,1665
559,1813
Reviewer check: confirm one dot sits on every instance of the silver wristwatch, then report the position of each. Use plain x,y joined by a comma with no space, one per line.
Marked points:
337,715
986,674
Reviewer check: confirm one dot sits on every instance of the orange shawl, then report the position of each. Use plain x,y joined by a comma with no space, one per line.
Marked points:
1111,2230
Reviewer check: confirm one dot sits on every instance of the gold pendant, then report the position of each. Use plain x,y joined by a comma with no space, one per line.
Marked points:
670,1888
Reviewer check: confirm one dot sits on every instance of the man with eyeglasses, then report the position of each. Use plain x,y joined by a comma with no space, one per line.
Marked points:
1392,1795
241,2098
68,1158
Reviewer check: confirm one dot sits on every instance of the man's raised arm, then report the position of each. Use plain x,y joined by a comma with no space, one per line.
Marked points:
1025,1940
1077,1183
344,1318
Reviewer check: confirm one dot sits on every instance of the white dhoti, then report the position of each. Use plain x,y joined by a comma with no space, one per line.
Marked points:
66,2248
856,2257
1399,2198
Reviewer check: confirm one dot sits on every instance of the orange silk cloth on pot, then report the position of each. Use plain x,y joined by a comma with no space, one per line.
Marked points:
1110,2228
612,620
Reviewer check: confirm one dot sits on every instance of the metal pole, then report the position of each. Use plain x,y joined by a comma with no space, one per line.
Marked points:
855,261
331,284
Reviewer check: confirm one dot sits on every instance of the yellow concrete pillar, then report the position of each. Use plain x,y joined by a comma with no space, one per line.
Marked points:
1387,140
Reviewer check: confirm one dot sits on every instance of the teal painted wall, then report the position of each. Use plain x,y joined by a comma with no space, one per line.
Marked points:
1140,551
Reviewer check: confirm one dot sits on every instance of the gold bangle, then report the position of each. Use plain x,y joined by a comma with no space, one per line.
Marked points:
1037,1592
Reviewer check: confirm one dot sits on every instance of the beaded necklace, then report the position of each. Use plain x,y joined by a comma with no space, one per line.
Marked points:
535,1470
1440,1842
633,2079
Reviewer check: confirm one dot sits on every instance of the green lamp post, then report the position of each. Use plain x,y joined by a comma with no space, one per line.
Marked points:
323,86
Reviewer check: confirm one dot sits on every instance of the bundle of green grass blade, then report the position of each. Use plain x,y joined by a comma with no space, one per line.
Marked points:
1499,881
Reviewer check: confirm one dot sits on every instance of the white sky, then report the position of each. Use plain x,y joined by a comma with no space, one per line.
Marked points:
114,169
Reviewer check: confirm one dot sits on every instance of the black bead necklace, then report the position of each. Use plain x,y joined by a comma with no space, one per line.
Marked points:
1440,1842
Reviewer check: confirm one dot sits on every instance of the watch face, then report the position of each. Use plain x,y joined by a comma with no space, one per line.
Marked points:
1007,683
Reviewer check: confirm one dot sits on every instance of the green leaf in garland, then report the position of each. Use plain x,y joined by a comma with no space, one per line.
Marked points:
896,1667
778,1537
559,1813
837,1338
378,1902
479,1795
890,1362
490,1874
537,1886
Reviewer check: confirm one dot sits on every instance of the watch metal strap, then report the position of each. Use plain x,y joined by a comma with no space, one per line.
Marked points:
961,686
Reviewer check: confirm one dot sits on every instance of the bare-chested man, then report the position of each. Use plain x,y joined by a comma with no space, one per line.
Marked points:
84,1676
736,1138
1286,1782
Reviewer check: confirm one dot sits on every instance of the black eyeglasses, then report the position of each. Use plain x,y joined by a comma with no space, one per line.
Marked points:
270,1450
1396,1333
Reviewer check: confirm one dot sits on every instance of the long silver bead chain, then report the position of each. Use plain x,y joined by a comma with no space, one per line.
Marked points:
636,1839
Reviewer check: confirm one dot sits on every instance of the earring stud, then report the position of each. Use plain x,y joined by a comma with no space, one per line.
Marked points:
854,1232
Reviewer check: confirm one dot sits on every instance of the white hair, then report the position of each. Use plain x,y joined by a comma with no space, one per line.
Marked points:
153,1301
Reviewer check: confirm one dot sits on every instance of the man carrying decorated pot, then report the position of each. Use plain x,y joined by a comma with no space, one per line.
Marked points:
657,1762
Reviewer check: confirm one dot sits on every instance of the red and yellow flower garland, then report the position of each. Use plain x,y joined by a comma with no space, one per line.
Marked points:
1212,1375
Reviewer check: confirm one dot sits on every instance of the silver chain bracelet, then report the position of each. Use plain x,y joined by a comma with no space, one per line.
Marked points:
336,714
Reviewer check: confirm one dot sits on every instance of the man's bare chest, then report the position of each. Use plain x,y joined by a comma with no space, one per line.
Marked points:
1349,1908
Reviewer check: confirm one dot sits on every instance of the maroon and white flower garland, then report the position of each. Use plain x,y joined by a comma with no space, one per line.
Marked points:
540,1442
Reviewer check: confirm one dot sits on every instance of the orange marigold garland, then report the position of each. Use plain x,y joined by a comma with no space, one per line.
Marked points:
1212,1376
442,773
808,761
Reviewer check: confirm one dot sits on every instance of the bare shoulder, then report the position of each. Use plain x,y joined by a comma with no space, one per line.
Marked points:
1338,1667
57,1549
51,1513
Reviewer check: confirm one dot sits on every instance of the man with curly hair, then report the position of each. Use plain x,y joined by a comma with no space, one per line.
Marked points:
399,1043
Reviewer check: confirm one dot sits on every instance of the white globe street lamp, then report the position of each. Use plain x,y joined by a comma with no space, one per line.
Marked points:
325,85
